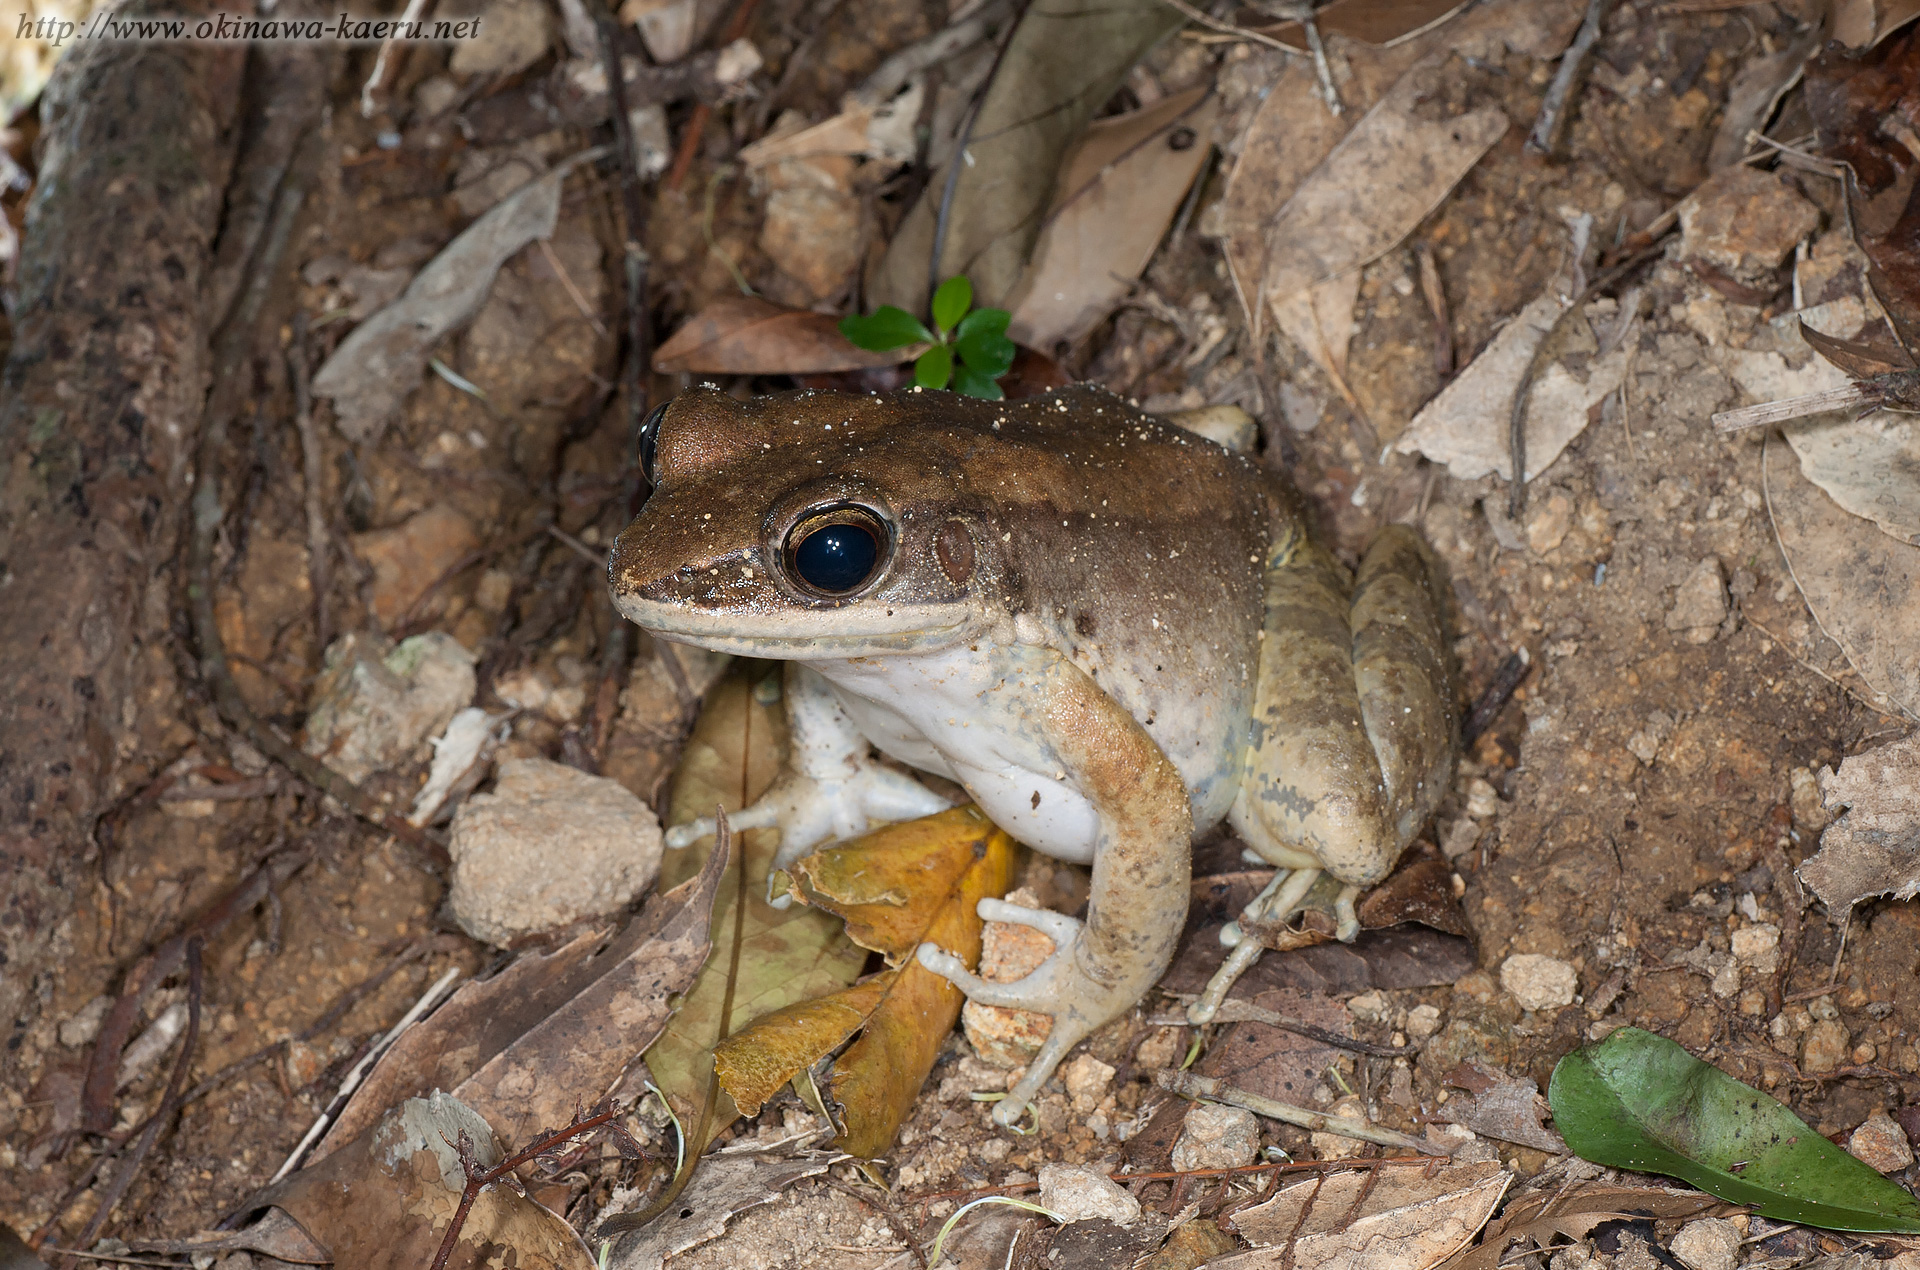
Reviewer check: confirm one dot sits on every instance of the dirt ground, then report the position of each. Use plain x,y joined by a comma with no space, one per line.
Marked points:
1633,810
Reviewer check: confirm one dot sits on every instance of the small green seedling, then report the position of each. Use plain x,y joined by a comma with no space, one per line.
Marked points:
969,350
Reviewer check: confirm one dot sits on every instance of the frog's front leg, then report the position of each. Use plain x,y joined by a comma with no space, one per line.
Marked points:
1100,968
832,788
1353,733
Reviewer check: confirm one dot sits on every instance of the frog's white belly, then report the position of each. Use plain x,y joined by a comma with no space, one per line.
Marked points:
964,714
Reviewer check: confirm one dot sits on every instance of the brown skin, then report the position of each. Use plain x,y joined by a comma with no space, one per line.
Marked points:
1081,601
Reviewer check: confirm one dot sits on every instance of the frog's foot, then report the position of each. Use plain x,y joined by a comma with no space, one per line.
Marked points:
1058,987
809,810
1277,903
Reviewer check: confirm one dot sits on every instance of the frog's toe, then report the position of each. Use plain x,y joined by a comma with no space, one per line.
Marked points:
758,816
1056,926
1022,994
1348,928
1066,1034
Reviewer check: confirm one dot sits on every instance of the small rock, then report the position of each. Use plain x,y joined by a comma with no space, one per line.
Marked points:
1645,744
1460,837
1547,526
737,61
375,703
1805,800
303,1063
1711,1243
1744,222
1826,1046
1009,951
1161,1049
652,144
1881,1144
1700,605
1372,1007
413,556
435,95
1758,946
1087,1080
84,1026
1423,1021
1537,982
511,36
1334,1146
1216,1137
1078,1192
812,225
504,845
1482,799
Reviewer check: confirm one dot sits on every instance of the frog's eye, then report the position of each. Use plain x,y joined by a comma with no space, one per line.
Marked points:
836,550
647,444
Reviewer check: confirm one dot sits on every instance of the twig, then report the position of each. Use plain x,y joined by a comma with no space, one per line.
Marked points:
1169,1175
573,291
697,122
1517,420
383,71
1316,49
1436,297
1239,1011
169,1105
1193,1085
351,1081
480,1177
1790,408
1506,680
313,466
1573,64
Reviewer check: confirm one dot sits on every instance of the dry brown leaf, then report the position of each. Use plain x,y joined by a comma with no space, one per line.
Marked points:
896,887
1344,1223
723,1186
1861,24
384,1200
1862,586
1119,189
1540,1215
1874,847
783,955
1506,1107
745,335
1062,63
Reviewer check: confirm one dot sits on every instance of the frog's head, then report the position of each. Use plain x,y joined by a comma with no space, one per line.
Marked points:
804,526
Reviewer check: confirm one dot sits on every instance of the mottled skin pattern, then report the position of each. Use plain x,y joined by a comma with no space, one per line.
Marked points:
1113,632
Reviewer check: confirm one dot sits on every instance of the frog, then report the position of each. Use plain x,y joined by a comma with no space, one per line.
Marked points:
1112,632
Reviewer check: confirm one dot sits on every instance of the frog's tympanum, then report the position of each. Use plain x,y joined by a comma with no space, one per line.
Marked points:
1111,631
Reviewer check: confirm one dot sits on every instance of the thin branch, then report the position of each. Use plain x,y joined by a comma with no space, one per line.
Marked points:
1573,65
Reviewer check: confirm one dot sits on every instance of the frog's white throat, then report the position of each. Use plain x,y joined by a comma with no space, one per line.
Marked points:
862,630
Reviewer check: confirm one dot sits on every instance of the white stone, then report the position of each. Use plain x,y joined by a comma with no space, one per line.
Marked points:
1758,946
1537,982
1216,1137
375,704
1711,1243
550,845
1482,798
1077,1192
1700,604
1881,1144
1372,1007
1423,1021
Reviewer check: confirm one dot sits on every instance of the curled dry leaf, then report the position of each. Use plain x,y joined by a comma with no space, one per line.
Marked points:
1500,1106
745,335
722,1187
1874,846
896,887
1382,1219
1573,1211
1119,190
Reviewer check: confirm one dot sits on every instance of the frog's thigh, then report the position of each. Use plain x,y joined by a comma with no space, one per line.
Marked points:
1312,790
1400,665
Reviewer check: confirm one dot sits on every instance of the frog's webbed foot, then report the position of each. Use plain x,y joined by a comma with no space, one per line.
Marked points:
1282,898
1058,987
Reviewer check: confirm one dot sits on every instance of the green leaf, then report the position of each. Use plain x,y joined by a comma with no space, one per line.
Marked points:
951,302
934,368
983,343
1638,1101
885,328
969,382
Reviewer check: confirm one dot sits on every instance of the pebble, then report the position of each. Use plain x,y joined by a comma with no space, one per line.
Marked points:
1216,1137
1372,1007
1881,1144
1826,1046
1087,1080
505,844
1700,604
1482,799
376,703
1711,1243
1808,812
1758,946
1080,1192
1548,524
1537,982
411,557
1334,1146
1009,951
1423,1021
1744,222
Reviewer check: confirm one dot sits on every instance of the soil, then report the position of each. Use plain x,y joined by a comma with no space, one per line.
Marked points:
1630,811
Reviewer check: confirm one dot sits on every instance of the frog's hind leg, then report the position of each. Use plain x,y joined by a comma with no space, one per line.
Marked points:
1352,729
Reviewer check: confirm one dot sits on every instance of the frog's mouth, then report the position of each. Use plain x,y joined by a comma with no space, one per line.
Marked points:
767,626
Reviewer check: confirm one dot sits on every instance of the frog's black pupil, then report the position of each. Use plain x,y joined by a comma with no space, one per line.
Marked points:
837,558
648,443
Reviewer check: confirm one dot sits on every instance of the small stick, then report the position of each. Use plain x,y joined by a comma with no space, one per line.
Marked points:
1573,64
1506,680
1235,1010
1436,297
313,466
697,122
1193,1085
1787,408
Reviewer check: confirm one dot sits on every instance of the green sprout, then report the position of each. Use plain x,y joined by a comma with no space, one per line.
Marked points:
968,350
